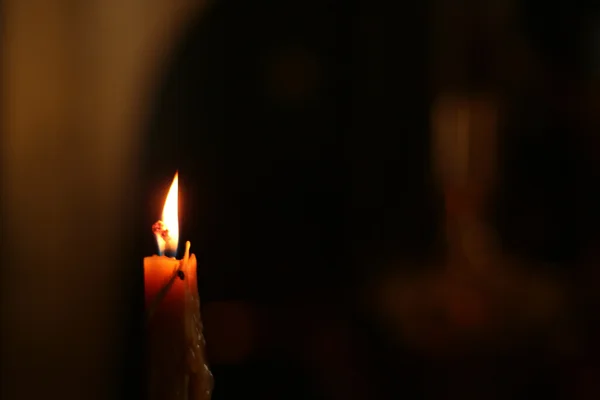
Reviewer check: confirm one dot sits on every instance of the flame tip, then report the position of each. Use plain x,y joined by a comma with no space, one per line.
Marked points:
170,219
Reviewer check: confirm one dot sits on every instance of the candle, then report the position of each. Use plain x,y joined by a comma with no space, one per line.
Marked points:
175,343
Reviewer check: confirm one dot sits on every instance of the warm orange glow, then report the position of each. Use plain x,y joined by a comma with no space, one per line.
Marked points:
170,215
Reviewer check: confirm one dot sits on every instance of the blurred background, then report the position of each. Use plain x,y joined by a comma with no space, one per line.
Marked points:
385,202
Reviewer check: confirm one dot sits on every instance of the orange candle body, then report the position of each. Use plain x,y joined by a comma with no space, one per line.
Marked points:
176,360
165,330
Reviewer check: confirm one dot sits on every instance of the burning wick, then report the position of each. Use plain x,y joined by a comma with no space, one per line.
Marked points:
161,229
166,244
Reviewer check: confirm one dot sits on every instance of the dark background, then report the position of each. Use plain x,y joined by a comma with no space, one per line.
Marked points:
302,133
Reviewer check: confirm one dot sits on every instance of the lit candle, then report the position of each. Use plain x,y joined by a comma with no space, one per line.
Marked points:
175,352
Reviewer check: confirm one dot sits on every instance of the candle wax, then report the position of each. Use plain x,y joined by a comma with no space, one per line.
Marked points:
175,343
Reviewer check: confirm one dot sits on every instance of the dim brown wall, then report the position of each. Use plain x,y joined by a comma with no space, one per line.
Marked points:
74,81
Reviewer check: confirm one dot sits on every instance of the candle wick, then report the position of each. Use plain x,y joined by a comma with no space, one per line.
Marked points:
160,229
163,239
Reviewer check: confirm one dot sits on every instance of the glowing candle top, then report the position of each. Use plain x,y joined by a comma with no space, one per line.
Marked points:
167,229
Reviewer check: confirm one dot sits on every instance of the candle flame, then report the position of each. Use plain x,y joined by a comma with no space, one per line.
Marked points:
168,234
